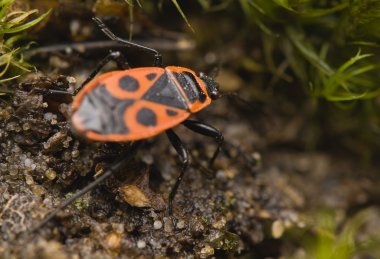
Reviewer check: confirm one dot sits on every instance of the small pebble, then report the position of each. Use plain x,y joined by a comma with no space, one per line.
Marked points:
157,224
134,196
141,244
71,80
181,224
66,156
196,226
38,190
153,215
207,251
219,224
50,174
28,162
75,153
48,116
168,225
278,229
113,240
26,126
29,180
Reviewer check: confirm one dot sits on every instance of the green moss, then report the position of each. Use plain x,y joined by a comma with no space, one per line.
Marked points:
329,237
225,240
320,40
12,63
80,204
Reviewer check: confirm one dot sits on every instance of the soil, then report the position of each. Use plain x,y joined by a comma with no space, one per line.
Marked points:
269,177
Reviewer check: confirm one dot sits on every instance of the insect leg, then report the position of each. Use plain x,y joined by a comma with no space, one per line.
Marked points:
208,131
127,156
116,56
156,55
185,159
50,91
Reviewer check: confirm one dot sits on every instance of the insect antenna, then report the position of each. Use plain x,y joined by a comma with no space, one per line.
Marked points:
112,36
127,156
236,96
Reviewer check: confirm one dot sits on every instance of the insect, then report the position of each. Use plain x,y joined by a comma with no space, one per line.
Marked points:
133,104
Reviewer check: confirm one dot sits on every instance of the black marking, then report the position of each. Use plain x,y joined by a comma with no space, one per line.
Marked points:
100,92
146,117
151,76
165,91
128,83
201,94
118,113
103,113
171,112
191,86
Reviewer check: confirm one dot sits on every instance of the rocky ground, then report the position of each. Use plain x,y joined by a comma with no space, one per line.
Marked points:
265,187
243,206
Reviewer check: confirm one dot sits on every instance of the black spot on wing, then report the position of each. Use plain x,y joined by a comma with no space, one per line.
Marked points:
151,76
128,83
165,91
146,117
171,112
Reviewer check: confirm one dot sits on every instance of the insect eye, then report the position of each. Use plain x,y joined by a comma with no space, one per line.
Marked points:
211,85
214,92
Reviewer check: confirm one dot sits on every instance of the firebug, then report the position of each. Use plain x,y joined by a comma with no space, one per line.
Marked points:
133,104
